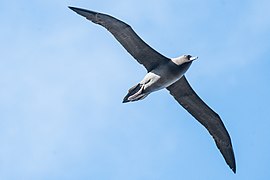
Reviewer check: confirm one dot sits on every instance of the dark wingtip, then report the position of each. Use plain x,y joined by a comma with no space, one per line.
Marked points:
83,12
77,10
229,158
72,8
233,169
232,163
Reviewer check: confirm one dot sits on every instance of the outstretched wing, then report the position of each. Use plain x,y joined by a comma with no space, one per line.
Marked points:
185,95
141,51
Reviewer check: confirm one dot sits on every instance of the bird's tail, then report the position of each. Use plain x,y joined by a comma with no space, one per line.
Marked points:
135,93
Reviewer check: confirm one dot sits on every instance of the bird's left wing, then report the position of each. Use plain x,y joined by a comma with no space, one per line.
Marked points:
185,95
141,51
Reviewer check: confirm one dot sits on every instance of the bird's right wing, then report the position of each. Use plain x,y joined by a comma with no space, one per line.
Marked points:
185,95
141,51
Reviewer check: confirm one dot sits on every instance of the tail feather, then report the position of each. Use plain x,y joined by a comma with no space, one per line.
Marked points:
135,93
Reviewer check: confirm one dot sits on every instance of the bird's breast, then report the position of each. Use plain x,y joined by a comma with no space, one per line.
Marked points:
160,78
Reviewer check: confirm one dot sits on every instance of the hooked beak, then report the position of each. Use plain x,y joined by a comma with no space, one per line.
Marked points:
193,58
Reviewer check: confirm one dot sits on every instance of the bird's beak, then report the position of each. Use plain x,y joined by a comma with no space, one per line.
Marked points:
193,58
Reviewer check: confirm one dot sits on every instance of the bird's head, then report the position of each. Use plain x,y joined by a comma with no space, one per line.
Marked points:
184,59
189,58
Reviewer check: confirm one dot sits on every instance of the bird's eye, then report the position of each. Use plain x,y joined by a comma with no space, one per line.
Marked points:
188,56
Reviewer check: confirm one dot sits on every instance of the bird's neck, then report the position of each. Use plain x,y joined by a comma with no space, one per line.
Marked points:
177,60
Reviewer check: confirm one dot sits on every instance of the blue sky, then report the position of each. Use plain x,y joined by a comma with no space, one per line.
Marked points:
63,80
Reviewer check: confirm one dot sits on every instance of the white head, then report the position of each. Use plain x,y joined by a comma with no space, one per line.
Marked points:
184,59
189,58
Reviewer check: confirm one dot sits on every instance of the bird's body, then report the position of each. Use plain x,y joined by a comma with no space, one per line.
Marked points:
160,77
166,73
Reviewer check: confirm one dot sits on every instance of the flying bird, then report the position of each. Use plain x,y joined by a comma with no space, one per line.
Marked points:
163,72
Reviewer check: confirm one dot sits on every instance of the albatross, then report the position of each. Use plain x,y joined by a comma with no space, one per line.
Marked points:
163,72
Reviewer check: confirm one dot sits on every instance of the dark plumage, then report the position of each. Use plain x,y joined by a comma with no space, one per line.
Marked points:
167,73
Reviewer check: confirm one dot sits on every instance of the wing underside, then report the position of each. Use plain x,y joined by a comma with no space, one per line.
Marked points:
141,51
186,97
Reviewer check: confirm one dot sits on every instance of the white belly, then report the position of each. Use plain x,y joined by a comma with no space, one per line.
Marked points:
155,81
